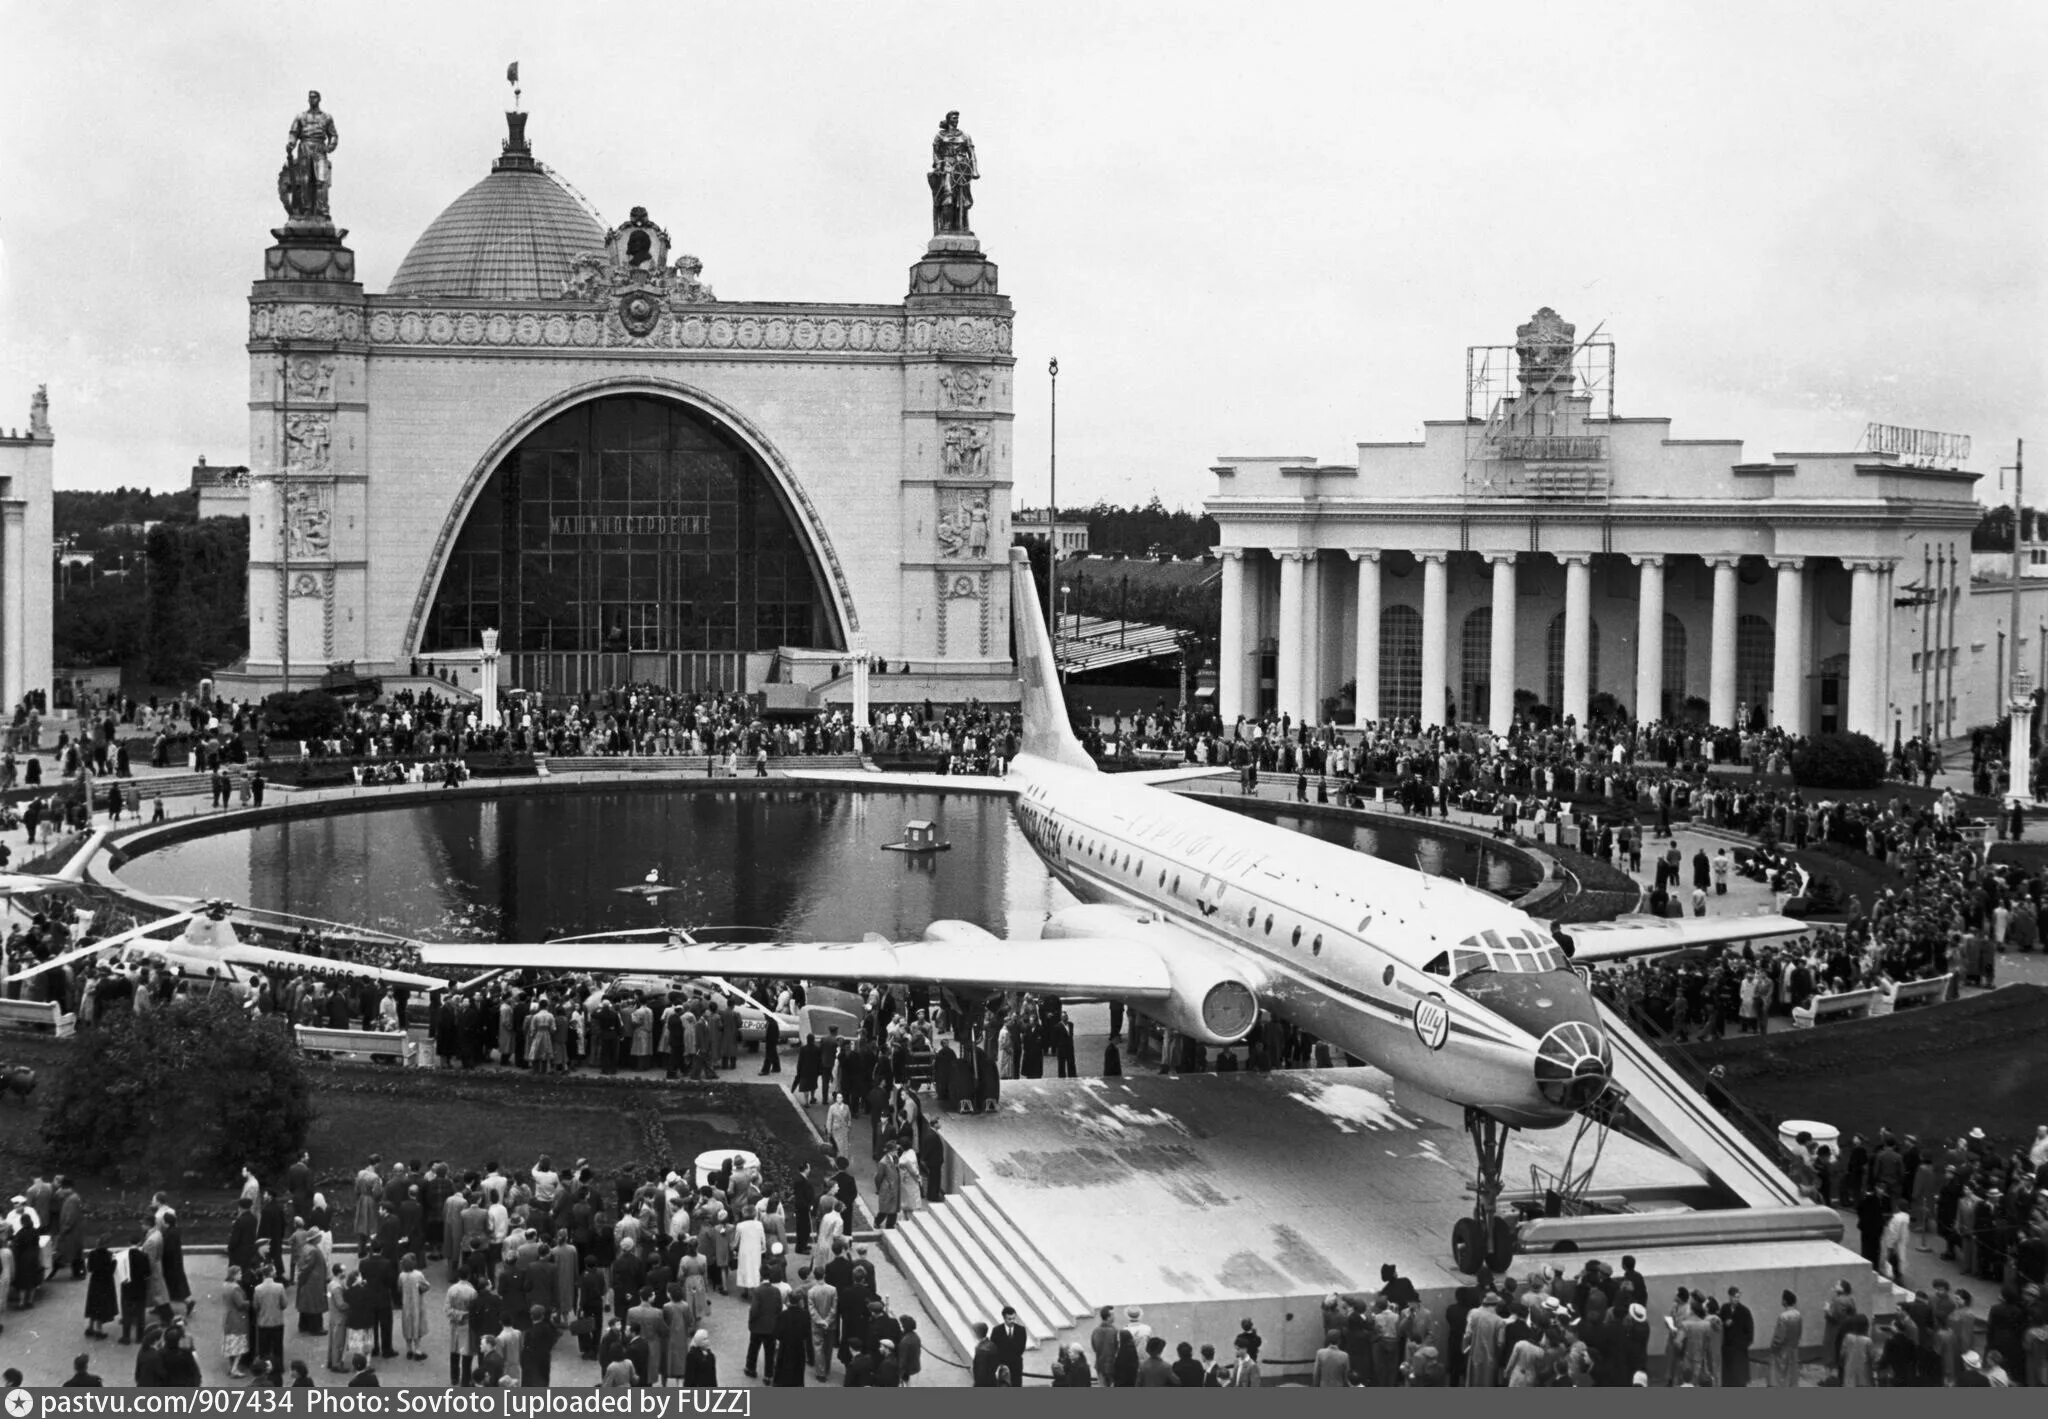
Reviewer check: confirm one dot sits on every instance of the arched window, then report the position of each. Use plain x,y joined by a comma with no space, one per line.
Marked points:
1476,660
1756,647
1553,663
1674,666
631,539
1400,662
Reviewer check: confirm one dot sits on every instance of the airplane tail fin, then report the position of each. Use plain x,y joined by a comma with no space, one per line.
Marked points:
1047,734
74,870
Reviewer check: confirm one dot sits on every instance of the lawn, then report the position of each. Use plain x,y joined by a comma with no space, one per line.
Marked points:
1933,1072
467,1120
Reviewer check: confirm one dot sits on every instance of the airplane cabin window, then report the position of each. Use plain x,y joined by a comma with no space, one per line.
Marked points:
1297,936
1387,976
1176,883
1440,964
1316,949
1252,917
1269,923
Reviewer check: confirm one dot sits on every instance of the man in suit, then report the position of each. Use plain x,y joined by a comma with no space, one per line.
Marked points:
1010,1342
1738,1334
380,1275
242,1248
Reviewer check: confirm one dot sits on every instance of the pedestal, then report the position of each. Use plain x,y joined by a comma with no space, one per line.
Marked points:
309,251
953,266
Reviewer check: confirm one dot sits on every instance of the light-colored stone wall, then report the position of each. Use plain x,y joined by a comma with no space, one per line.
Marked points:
27,473
849,407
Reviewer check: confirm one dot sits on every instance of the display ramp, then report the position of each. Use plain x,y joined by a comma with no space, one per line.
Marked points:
1693,1129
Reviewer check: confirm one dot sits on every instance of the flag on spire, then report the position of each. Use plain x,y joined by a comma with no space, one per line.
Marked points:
512,72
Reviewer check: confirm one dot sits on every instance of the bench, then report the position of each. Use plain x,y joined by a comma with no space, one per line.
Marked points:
1849,1005
1916,992
368,1044
43,1016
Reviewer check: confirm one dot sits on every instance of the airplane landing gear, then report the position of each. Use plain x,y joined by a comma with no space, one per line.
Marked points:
1485,1239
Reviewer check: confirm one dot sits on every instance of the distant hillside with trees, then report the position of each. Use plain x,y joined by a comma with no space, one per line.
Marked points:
1153,530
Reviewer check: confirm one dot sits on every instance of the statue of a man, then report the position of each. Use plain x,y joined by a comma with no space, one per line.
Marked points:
952,175
307,172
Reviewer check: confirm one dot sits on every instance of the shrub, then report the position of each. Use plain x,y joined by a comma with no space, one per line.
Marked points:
1838,761
199,1085
304,714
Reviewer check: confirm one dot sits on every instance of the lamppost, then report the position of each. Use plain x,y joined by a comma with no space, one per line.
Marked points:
1052,512
2020,704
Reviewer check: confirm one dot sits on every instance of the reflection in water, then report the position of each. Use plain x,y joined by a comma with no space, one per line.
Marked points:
803,863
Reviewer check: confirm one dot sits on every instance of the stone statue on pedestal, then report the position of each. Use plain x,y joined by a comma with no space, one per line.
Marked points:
952,176
39,413
303,181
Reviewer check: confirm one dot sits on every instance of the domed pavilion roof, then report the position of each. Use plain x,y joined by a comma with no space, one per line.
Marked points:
512,237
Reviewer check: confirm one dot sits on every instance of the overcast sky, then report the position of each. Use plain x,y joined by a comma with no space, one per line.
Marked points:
1242,228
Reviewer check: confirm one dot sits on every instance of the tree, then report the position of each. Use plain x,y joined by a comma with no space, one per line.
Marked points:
197,609
198,1085
1838,761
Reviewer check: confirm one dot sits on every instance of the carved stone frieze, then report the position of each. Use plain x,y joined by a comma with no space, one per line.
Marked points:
966,448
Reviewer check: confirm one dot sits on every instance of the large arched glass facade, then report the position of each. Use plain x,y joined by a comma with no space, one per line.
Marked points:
630,540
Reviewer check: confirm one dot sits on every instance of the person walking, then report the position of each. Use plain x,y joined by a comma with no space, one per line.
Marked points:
1785,1342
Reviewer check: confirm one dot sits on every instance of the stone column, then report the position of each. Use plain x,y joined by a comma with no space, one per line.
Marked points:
1231,668
1788,671
1500,716
1368,637
1436,615
1287,692
13,602
1721,674
487,682
2019,746
1862,676
1311,637
1578,637
861,709
1887,596
1649,639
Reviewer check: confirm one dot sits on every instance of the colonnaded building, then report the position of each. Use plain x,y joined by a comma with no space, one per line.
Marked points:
550,428
1545,545
27,468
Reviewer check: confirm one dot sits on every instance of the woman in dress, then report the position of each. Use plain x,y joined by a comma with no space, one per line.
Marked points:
680,1323
412,1302
234,1325
696,1292
176,1284
909,1182
102,1301
750,1244
1858,1369
337,1320
770,1211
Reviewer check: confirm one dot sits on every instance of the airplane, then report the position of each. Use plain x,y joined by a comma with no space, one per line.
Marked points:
1201,918
209,950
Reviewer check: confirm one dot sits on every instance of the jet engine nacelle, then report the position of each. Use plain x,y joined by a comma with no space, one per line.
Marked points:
966,933
1215,996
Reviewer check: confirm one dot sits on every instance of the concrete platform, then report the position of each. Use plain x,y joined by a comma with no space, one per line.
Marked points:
1206,1198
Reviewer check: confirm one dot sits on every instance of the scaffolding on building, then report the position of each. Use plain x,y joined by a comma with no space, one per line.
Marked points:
1534,444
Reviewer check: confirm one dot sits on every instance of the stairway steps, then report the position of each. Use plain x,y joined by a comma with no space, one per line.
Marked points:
1004,1284
1060,1296
973,1293
939,1290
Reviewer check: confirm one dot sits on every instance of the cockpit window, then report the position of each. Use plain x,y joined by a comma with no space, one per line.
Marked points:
1509,952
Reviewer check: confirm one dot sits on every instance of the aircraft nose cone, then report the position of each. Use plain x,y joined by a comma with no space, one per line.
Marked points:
1573,1064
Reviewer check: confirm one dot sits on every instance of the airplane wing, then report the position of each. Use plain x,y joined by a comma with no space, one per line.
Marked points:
265,958
1110,967
138,936
958,783
1180,773
1642,935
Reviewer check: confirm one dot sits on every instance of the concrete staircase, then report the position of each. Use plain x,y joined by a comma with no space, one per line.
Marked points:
967,1260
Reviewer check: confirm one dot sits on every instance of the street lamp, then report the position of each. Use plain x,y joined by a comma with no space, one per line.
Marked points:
1052,511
